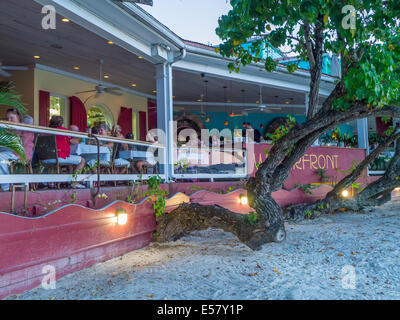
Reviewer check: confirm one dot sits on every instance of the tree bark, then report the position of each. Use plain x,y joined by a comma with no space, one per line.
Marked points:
190,217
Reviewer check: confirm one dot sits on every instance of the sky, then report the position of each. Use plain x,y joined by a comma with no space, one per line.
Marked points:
194,20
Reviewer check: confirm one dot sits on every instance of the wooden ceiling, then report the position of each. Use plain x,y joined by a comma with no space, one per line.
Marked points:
69,46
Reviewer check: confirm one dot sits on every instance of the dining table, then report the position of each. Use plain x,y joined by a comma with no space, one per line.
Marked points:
133,154
89,152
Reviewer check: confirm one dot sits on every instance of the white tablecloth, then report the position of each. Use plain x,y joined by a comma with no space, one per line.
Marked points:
132,154
89,152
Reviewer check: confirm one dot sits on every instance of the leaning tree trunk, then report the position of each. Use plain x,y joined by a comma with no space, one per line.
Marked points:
190,217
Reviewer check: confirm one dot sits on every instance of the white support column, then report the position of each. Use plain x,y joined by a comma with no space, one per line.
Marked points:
165,112
307,99
362,131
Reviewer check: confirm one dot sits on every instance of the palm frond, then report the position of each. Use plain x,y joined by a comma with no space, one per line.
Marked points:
13,142
11,99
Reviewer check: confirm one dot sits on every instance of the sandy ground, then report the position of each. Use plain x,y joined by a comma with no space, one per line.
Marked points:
215,265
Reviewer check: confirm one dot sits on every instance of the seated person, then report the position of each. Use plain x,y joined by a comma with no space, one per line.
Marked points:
74,141
119,162
117,132
150,161
102,130
27,137
63,147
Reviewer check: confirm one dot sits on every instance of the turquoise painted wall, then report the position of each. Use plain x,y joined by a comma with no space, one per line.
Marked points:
217,120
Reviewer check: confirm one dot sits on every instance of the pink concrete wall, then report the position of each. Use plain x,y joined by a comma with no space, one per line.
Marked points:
71,238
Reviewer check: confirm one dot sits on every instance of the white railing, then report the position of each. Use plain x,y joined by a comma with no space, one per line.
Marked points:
85,177
239,155
203,159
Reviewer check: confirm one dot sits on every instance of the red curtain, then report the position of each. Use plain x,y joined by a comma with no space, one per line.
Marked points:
381,127
125,120
152,111
78,114
44,108
142,125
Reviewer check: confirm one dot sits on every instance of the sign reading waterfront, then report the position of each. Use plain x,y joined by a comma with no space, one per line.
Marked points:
335,162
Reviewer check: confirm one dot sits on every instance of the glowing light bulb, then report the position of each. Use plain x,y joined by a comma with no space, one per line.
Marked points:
243,200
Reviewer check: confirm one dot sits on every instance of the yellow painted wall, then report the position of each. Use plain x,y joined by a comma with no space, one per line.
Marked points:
24,84
67,86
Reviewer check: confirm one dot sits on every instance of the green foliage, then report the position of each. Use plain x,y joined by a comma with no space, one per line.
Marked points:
253,217
370,49
10,140
156,195
283,129
308,213
11,99
307,188
322,175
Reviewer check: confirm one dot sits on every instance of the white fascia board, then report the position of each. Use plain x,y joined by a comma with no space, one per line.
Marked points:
212,54
249,74
203,60
108,21
167,35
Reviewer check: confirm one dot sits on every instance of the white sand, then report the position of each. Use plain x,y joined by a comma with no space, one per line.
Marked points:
215,265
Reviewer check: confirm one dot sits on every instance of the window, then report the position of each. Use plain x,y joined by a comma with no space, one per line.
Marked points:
99,114
57,106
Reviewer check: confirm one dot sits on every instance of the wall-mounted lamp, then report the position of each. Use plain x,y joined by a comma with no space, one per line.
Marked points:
345,194
121,217
243,199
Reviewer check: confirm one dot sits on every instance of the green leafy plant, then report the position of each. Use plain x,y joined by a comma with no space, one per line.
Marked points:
156,194
307,188
253,217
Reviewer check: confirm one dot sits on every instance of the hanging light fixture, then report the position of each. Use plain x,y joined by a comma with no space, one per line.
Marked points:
202,98
226,121
262,126
232,114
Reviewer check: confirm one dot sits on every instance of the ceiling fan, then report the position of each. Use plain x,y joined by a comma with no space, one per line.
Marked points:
262,107
99,89
4,69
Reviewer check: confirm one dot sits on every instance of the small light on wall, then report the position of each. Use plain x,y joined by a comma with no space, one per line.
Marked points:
122,216
345,194
226,122
397,189
243,199
207,119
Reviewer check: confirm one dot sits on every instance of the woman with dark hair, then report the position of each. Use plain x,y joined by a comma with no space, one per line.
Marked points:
63,147
13,115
